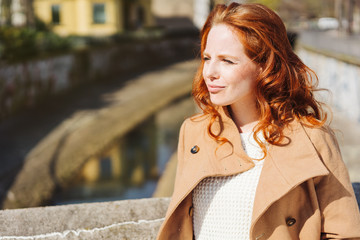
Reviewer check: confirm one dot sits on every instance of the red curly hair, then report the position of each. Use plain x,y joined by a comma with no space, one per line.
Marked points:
285,85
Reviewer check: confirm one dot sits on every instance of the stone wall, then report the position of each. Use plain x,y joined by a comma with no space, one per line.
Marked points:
336,60
24,84
339,75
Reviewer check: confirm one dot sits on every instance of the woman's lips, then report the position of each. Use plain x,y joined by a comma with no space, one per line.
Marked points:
215,88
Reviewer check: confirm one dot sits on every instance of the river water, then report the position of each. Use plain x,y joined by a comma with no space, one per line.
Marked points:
131,167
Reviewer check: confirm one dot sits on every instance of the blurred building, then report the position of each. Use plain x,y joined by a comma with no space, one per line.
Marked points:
95,17
184,13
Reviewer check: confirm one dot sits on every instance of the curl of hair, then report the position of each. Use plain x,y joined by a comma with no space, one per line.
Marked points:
285,86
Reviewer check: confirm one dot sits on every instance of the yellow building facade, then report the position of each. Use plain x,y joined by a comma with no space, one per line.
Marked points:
94,17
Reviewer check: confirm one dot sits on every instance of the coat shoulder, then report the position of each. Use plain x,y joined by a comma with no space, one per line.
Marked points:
325,143
318,135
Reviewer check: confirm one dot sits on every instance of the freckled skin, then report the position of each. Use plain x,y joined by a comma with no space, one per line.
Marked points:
229,74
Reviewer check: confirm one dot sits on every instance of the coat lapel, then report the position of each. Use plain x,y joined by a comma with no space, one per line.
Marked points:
230,154
286,167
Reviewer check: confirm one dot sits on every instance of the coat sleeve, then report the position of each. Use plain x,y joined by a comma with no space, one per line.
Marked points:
337,202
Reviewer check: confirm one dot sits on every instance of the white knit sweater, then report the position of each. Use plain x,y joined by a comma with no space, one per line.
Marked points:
223,205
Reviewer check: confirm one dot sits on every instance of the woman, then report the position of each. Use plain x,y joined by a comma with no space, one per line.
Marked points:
259,162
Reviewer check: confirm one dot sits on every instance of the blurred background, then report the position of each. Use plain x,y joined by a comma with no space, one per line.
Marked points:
93,92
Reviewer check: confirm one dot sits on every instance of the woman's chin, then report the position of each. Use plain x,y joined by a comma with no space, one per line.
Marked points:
219,103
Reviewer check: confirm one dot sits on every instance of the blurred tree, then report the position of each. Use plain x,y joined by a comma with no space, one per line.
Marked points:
291,10
29,13
348,14
10,8
328,8
5,12
312,9
294,9
273,4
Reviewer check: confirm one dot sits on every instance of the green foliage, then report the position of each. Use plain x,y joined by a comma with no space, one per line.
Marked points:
49,41
273,4
23,43
17,42
41,25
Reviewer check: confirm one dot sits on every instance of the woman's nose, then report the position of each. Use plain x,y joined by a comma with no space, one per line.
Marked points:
211,71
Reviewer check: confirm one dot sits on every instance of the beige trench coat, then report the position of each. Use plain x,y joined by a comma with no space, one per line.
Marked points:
304,191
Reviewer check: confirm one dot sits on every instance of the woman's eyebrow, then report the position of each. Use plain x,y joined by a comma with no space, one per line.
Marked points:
227,56
222,56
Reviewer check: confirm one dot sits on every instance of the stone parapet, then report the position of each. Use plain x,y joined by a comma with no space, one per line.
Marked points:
332,44
127,219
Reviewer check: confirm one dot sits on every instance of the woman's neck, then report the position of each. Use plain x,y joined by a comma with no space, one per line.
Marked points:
245,116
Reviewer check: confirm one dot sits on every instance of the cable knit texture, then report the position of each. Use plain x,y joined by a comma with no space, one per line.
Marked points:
223,205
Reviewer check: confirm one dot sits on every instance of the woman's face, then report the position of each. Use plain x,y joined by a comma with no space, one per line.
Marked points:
228,73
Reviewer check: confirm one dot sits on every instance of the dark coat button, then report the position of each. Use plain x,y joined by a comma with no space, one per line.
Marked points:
195,149
290,221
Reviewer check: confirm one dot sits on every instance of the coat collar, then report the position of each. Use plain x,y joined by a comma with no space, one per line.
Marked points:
222,159
295,161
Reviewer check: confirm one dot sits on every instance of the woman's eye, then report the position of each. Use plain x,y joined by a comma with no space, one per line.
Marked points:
228,61
206,58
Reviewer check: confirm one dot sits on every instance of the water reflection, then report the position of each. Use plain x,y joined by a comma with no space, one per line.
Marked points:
131,166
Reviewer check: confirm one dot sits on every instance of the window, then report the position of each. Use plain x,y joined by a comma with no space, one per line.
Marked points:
99,13
55,14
